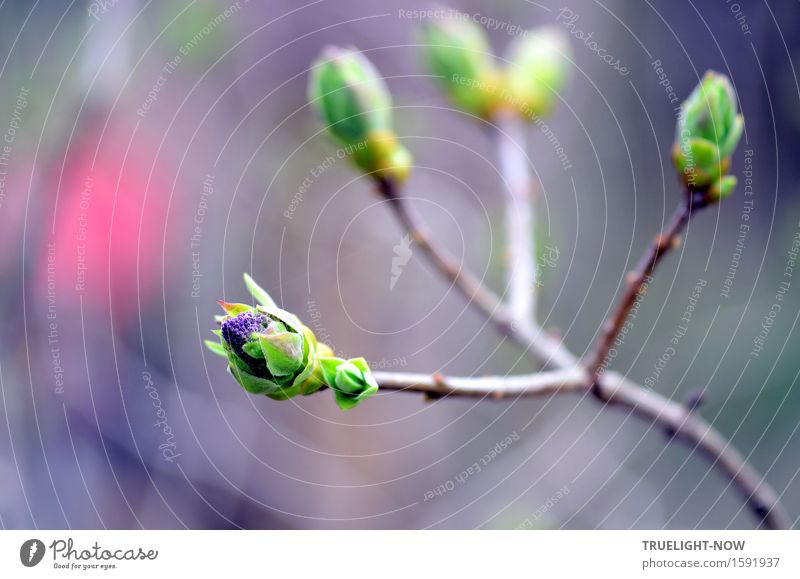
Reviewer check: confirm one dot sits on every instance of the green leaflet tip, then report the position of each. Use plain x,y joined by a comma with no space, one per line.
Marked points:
216,348
259,294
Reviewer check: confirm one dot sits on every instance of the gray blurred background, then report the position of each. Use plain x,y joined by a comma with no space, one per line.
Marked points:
155,151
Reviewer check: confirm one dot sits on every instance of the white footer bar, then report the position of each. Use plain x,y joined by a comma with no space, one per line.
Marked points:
382,554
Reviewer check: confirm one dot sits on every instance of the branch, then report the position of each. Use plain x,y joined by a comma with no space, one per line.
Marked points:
612,388
544,347
636,280
463,280
520,221
497,387
681,423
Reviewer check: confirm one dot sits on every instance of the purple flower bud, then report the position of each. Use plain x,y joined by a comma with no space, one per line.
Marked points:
236,331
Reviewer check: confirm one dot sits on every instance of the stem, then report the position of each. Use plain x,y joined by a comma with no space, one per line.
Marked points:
614,389
636,282
467,283
520,220
680,422
497,387
546,348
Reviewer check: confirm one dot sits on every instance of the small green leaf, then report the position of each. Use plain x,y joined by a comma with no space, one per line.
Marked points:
360,363
703,153
287,319
234,309
328,367
283,351
345,401
275,326
254,350
216,347
349,379
253,384
735,133
259,294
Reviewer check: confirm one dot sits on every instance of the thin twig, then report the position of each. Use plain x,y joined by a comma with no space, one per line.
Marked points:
636,282
681,423
520,217
546,348
497,387
612,388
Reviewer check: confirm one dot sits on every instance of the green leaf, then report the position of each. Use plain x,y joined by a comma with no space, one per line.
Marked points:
349,379
275,326
259,294
735,133
360,363
283,351
254,350
345,401
289,320
328,367
235,360
234,309
703,153
372,384
253,384
216,347
285,392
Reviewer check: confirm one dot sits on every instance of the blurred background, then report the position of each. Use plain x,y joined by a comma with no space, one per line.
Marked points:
154,151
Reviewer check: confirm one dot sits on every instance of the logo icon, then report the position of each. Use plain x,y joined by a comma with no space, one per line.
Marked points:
32,552
402,255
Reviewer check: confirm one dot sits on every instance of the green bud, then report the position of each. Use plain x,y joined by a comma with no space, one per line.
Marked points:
537,70
351,380
709,129
351,99
456,50
269,350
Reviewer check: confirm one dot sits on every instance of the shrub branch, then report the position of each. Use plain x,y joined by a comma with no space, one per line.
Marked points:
676,420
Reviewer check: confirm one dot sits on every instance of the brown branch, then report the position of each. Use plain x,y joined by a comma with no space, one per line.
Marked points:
611,387
496,387
636,282
680,422
544,347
